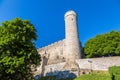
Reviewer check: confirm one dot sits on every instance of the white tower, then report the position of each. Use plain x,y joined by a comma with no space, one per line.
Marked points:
72,44
73,50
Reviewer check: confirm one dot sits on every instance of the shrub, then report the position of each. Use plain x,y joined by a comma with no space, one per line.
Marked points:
114,72
117,77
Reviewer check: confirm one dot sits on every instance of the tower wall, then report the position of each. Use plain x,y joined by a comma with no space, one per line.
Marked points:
72,37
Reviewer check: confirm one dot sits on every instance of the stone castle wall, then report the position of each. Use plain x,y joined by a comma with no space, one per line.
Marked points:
85,67
99,63
54,53
87,64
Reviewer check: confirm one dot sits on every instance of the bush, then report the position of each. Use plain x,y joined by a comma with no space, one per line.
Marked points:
117,77
114,72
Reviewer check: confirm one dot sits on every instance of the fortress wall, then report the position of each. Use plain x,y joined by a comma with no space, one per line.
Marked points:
96,64
54,67
54,53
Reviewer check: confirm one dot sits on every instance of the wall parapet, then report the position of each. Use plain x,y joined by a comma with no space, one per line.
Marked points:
52,44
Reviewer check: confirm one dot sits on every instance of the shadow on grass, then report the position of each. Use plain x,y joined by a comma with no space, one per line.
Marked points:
57,75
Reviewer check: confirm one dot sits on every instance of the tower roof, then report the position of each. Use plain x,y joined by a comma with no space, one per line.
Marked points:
70,12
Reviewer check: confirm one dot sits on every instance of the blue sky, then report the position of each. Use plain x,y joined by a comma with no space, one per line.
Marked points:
94,17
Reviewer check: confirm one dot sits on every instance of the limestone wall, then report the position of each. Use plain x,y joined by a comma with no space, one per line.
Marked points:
93,63
98,63
54,53
54,67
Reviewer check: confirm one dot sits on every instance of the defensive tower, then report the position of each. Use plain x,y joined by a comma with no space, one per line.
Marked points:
73,50
72,44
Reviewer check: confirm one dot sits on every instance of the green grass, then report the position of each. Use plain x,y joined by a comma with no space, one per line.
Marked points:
94,76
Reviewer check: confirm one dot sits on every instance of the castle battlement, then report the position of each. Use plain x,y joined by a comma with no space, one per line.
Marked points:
51,45
71,12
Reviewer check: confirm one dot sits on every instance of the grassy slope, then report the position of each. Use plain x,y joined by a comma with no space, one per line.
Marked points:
95,76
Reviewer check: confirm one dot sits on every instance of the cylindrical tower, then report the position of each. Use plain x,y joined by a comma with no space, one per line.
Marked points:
72,38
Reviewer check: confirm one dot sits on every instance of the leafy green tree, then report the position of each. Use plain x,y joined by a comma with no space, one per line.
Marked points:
107,44
17,50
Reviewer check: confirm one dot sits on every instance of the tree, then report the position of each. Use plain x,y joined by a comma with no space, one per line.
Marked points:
17,49
107,44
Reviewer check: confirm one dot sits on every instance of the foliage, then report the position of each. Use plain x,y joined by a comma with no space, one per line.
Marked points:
93,77
103,45
117,77
17,49
115,72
